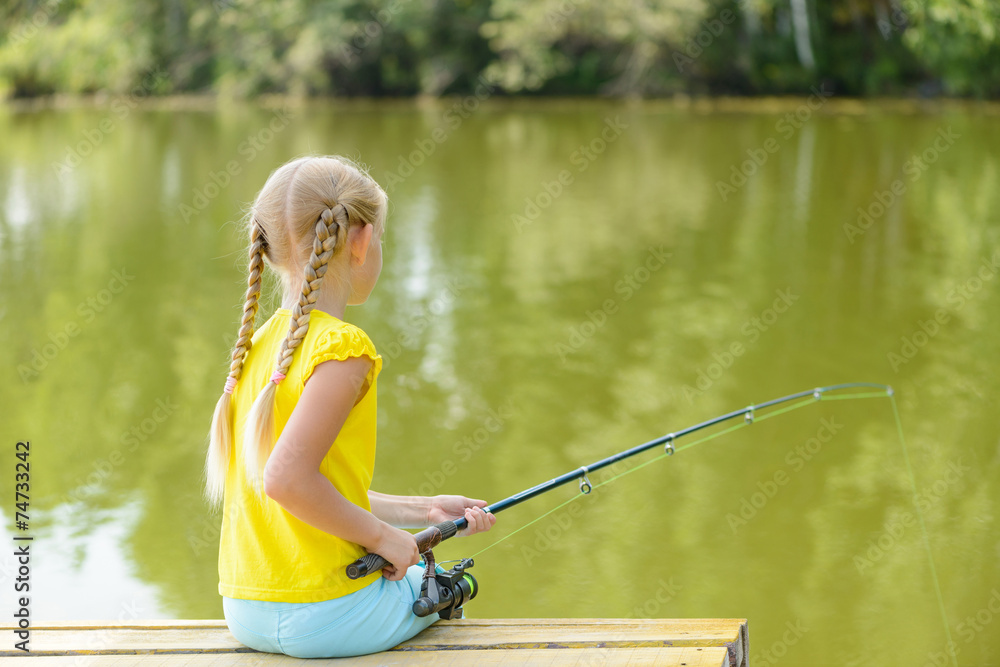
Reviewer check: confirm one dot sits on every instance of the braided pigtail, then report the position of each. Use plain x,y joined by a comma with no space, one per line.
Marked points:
221,437
259,433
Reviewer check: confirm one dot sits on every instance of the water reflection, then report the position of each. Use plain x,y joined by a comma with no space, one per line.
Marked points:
519,285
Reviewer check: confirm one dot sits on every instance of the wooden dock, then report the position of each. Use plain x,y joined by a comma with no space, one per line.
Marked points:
689,642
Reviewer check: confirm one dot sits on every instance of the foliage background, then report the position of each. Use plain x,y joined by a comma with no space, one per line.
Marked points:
239,48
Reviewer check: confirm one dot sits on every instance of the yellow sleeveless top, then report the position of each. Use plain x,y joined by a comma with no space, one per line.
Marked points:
265,552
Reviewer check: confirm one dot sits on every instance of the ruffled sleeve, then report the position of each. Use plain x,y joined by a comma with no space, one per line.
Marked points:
340,343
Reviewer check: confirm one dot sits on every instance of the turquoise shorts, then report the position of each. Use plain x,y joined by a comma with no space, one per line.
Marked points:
373,619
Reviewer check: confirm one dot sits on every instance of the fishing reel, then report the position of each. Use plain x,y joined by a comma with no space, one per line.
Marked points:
445,592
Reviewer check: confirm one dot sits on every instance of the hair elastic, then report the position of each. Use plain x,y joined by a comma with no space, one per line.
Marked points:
277,377
230,384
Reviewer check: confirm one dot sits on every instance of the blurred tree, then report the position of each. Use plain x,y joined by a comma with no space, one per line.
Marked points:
408,47
956,39
587,45
74,47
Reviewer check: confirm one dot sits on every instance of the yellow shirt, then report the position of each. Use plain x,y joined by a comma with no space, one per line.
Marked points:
265,552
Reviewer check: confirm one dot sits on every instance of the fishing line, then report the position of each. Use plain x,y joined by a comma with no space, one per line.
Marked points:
451,581
751,418
923,529
735,427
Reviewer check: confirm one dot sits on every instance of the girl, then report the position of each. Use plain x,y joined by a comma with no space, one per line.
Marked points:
292,446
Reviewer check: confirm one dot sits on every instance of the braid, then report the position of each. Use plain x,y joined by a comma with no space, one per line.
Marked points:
221,442
258,246
327,232
260,422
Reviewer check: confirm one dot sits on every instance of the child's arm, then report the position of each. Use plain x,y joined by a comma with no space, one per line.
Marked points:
424,511
293,480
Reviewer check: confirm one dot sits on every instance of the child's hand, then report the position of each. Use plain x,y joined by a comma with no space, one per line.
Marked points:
449,508
479,521
400,549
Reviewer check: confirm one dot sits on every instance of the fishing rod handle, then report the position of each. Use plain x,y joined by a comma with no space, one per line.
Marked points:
364,565
426,539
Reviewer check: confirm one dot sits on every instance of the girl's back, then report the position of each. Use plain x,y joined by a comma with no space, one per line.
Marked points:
292,448
294,561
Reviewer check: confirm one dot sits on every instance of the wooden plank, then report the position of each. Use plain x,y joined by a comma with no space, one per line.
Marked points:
453,635
578,633
101,625
495,634
686,622
74,638
699,623
730,632
116,640
637,657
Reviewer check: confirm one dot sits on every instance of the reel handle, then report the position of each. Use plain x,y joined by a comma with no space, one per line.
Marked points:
427,539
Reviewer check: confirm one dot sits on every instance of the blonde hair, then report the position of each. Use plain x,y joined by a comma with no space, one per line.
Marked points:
297,223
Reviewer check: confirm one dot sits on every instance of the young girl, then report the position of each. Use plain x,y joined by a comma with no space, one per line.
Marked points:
292,446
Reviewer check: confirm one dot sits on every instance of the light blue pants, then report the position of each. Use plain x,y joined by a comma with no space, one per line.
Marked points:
370,620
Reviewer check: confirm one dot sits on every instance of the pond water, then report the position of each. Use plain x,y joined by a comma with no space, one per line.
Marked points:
562,280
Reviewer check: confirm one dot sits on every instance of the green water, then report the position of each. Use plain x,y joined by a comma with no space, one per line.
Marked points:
549,297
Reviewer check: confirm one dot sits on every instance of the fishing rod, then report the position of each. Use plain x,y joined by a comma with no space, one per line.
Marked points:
429,538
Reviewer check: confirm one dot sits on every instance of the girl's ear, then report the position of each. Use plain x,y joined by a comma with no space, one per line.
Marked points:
358,240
